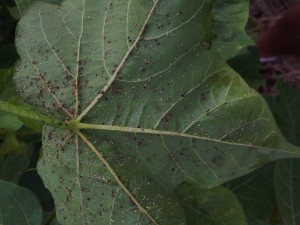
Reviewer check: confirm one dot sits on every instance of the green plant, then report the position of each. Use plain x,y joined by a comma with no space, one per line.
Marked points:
142,119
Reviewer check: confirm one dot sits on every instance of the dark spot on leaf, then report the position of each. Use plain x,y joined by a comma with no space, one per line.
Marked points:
203,97
142,69
217,160
167,117
118,90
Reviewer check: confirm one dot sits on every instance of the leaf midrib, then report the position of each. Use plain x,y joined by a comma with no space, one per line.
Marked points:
76,126
88,126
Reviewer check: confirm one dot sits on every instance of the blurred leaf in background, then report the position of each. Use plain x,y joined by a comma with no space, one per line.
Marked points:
213,207
256,194
286,108
8,53
246,63
18,205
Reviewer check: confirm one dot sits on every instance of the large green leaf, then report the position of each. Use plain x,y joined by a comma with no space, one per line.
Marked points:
211,207
144,106
286,108
18,205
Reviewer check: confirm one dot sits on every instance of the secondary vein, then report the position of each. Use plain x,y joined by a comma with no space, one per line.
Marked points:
113,77
112,172
78,61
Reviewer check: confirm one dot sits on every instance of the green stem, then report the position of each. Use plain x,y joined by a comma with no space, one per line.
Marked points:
33,115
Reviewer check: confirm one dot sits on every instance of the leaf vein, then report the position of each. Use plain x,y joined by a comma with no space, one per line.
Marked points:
117,179
22,210
103,32
162,71
78,60
178,27
113,77
127,23
66,26
212,110
112,209
48,88
51,47
169,153
169,133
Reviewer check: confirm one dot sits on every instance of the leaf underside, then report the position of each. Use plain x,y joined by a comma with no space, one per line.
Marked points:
156,105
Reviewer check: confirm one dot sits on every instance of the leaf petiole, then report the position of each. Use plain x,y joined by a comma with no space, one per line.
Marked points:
24,112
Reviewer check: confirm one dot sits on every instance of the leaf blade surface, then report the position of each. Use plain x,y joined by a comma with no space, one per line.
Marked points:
155,106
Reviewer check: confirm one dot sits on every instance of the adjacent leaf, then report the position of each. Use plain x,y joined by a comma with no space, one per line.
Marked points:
18,205
7,25
7,89
246,63
146,104
287,184
211,207
34,183
8,121
32,124
12,145
23,5
49,218
257,222
14,153
14,12
286,108
55,222
12,166
256,193
8,55
230,18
